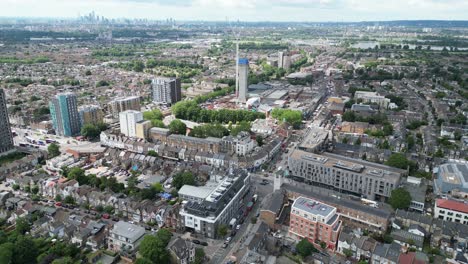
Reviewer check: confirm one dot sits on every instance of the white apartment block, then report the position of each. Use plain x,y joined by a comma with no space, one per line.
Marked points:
128,120
372,97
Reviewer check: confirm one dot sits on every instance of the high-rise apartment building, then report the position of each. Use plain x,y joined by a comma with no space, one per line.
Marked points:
243,79
6,137
123,104
128,121
90,114
284,60
166,90
315,221
65,116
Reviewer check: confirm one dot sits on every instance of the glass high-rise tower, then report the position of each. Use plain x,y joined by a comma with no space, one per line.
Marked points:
65,116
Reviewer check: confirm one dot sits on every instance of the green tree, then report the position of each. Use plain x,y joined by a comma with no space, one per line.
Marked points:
22,226
90,131
399,160
6,252
88,72
241,126
293,117
25,250
157,123
152,153
305,248
153,114
153,248
199,256
64,260
348,252
259,140
183,178
58,198
222,230
177,127
400,199
69,200
53,150
158,187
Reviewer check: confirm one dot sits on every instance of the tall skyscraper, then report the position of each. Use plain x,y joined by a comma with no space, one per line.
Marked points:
284,60
90,114
65,116
6,138
243,79
166,90
123,104
128,122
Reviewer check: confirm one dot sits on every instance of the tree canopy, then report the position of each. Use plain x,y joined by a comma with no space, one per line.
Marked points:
177,127
183,178
153,247
399,160
293,117
305,248
400,199
53,150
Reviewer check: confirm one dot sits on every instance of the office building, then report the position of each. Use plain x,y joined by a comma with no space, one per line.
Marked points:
142,128
166,90
203,214
90,114
366,179
451,210
243,80
64,114
6,137
123,104
315,221
128,121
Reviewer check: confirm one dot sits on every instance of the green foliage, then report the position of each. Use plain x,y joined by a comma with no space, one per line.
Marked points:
190,110
416,124
11,157
263,46
209,130
400,199
88,73
22,226
69,200
241,126
153,247
157,123
177,127
183,178
152,153
53,150
222,230
14,60
399,160
293,117
259,140
102,83
20,81
93,131
153,114
199,256
305,248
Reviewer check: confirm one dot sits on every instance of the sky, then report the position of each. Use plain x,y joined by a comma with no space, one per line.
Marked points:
244,10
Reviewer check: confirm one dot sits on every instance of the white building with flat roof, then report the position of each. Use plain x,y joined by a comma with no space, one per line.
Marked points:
128,120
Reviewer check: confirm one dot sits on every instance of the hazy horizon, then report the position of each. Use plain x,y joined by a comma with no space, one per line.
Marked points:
245,10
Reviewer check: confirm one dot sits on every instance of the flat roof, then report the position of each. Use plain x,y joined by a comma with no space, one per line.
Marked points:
196,191
314,137
313,206
127,230
341,162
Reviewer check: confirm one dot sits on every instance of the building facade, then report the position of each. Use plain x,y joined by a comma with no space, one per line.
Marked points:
372,97
142,129
451,210
373,181
219,207
90,114
243,80
123,104
166,90
64,114
316,221
128,121
6,137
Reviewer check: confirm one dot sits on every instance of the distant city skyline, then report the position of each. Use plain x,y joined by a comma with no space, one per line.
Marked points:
245,10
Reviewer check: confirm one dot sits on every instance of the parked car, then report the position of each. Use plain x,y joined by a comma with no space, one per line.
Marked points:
203,243
228,239
196,241
225,245
238,227
106,216
58,204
